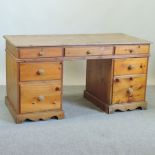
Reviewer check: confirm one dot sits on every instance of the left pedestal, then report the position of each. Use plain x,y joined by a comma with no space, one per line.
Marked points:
34,85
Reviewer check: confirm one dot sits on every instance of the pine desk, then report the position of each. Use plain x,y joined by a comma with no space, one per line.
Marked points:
116,72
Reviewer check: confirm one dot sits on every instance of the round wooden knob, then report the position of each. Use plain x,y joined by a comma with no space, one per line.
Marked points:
41,98
130,91
40,72
131,51
57,89
131,78
54,102
41,53
130,67
117,80
88,52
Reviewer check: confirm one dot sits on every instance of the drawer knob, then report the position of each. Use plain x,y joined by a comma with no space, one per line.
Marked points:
131,51
130,92
40,72
117,80
41,53
41,98
88,52
57,89
130,67
54,102
131,78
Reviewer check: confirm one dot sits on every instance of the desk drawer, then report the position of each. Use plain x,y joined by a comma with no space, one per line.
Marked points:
40,52
130,66
89,51
132,49
129,89
40,96
40,71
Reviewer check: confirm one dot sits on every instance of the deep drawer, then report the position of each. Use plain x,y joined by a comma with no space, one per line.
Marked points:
40,71
35,97
128,89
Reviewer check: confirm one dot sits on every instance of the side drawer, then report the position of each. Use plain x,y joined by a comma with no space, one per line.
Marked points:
128,89
40,71
35,97
132,49
37,52
89,51
130,66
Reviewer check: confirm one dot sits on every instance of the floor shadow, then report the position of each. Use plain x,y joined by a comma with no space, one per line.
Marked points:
78,101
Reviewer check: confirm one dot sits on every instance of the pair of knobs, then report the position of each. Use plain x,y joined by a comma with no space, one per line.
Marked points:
42,98
118,80
129,90
130,67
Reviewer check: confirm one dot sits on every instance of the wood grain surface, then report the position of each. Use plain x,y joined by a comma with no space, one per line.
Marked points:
40,96
12,71
132,49
72,39
99,76
129,89
89,51
130,66
44,52
40,71
35,116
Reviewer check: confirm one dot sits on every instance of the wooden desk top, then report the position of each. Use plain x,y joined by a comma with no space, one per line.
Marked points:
71,40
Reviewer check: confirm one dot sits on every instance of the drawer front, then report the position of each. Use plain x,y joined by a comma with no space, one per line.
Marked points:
89,51
40,52
132,49
129,89
40,96
130,66
40,71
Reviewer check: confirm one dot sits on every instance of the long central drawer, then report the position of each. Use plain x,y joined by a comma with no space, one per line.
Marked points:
89,51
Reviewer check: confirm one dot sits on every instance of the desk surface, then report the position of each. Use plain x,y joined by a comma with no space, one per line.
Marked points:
72,39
